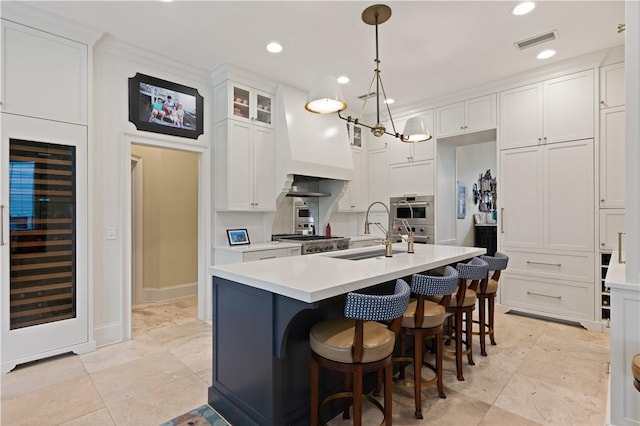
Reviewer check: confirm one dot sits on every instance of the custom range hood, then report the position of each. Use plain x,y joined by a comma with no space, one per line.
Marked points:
309,144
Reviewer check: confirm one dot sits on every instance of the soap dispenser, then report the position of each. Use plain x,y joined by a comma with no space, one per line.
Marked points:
328,230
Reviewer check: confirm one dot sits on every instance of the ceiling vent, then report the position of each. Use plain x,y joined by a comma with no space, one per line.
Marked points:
534,41
367,96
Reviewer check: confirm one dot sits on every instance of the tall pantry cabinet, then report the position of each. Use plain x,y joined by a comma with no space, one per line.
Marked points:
44,230
547,221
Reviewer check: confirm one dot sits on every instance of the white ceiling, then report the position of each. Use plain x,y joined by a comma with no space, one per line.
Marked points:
427,48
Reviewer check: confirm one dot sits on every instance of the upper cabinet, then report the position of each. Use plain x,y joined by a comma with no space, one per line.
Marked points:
402,152
556,110
355,196
44,76
612,85
612,157
469,116
244,103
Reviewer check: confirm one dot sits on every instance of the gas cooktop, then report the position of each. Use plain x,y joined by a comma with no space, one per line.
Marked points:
314,243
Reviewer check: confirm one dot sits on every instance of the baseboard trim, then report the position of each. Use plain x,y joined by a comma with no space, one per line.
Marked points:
162,294
108,334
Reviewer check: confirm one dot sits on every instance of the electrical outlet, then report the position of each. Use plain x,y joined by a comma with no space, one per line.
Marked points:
111,232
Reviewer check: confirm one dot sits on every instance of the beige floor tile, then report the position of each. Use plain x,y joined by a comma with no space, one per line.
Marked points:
499,417
53,404
97,418
136,377
119,354
206,376
548,403
30,377
160,404
456,409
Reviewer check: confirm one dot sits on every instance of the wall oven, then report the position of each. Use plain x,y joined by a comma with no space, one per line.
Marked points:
302,219
418,211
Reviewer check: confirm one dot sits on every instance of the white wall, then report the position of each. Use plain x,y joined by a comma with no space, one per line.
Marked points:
114,63
471,161
445,194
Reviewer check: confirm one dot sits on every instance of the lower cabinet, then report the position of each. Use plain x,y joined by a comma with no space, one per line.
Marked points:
225,255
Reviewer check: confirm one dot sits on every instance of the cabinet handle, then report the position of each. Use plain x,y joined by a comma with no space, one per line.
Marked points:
620,234
544,295
267,257
502,220
544,263
1,225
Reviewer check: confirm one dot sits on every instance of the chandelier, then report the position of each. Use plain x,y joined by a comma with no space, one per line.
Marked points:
326,98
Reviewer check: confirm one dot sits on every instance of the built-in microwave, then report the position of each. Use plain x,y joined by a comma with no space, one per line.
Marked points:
415,211
302,219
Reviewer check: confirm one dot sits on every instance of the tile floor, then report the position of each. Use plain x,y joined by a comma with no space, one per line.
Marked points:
540,372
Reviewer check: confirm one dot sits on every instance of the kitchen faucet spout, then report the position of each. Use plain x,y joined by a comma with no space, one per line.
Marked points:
388,252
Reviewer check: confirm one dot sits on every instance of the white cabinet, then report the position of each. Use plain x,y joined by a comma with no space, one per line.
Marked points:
415,178
612,85
547,195
611,224
243,103
402,152
355,195
245,167
43,75
612,157
469,116
556,110
378,177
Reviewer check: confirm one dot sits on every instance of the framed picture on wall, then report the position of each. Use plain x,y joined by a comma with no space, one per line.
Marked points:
237,237
461,200
161,106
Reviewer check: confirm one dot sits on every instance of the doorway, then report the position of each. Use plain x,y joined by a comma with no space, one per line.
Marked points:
166,232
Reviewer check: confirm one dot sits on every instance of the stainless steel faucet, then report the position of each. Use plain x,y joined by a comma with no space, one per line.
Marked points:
405,223
388,252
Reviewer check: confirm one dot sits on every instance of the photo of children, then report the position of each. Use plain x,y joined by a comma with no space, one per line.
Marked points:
167,107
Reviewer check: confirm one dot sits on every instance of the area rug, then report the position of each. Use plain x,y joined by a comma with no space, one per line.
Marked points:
201,416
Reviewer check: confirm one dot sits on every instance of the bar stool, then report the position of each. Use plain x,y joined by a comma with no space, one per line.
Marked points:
487,296
424,319
357,344
635,370
462,305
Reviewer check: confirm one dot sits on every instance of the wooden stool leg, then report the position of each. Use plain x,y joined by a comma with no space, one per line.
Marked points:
357,396
469,331
345,401
418,347
314,392
403,353
482,320
439,352
458,331
492,299
388,394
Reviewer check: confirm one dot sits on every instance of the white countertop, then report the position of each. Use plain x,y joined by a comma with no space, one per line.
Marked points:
271,245
365,237
311,278
616,275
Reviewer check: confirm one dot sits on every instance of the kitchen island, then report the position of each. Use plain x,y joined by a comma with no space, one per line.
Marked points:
262,313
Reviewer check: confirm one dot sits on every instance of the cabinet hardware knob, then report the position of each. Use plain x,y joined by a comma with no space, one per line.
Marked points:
602,244
461,127
539,139
545,139
602,102
602,200
621,27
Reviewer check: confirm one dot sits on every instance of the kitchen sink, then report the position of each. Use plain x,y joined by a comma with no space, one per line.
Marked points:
367,254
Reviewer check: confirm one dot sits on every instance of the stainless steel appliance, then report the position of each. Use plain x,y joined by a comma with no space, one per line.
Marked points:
302,219
314,243
418,212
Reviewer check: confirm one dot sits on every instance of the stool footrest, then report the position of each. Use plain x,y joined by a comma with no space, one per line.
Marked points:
369,398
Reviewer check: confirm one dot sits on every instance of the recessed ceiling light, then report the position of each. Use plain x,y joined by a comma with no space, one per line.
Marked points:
545,54
389,101
523,8
274,47
343,79
166,1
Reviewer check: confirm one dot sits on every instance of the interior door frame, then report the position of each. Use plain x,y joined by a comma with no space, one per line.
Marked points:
137,172
204,222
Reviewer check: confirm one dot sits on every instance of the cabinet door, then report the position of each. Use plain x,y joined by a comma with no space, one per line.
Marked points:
569,107
264,178
569,196
424,150
44,76
521,197
378,177
612,85
521,116
263,107
355,197
612,157
611,223
44,292
240,166
411,179
399,152
450,120
480,113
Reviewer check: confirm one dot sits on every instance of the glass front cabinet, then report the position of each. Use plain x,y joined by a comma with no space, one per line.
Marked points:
243,103
43,238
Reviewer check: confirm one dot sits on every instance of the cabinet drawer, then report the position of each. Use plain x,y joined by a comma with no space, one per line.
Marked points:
567,299
577,267
269,254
